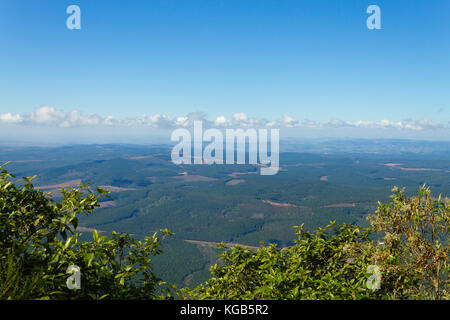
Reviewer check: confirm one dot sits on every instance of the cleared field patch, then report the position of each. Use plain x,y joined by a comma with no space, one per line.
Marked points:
85,229
315,165
392,164
235,182
341,205
282,205
419,169
107,204
214,244
237,174
116,189
397,165
140,157
194,178
55,187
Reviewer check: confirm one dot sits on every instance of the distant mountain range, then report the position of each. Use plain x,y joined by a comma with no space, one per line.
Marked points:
327,146
374,146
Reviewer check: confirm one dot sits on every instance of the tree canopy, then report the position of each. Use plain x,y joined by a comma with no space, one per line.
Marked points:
402,255
39,243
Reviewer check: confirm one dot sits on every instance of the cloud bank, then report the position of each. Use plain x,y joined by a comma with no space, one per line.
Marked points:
49,116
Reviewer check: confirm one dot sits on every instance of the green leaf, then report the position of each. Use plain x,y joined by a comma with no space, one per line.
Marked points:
88,258
95,235
66,245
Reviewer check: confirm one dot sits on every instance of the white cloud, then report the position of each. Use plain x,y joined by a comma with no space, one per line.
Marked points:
10,118
181,121
156,121
76,119
109,121
309,124
221,121
240,117
289,121
242,120
49,116
407,124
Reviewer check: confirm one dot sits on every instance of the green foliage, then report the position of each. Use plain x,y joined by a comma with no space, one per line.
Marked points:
332,263
414,255
14,284
39,243
329,263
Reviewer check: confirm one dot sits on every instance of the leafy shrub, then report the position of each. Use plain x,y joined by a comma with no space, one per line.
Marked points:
332,263
14,284
414,255
38,241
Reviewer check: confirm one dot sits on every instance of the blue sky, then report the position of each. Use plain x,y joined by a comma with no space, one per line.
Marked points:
274,60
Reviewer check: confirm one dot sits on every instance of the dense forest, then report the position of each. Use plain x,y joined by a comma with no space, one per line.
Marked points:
402,253
204,205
